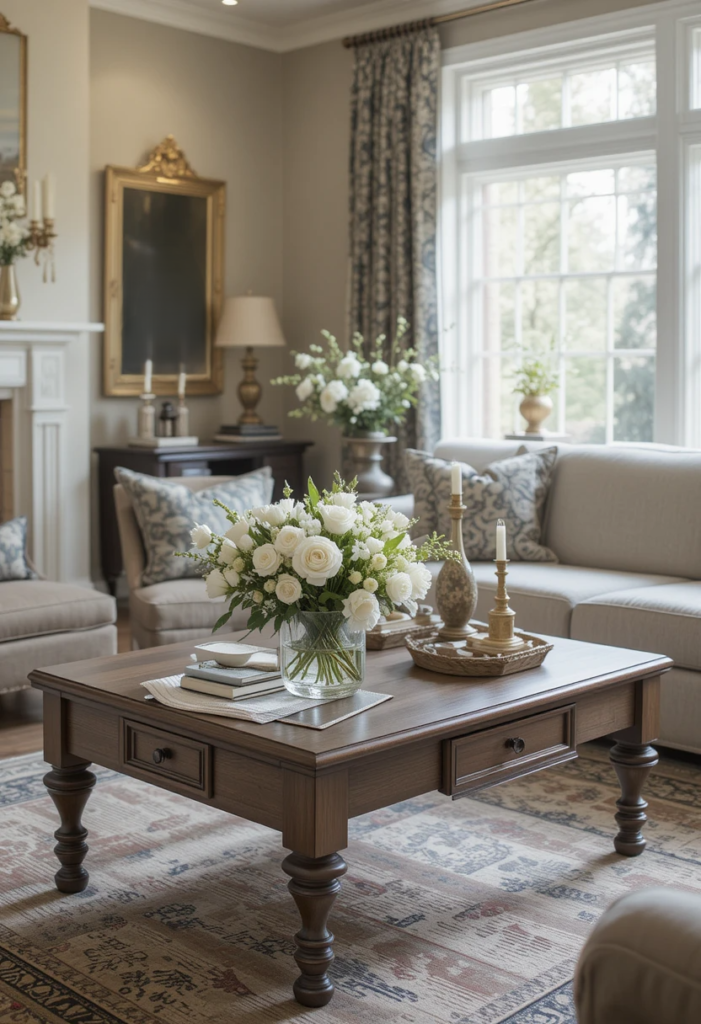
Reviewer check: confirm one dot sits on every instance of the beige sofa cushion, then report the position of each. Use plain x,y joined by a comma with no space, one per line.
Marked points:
661,619
629,509
543,596
179,605
680,710
640,965
30,608
19,658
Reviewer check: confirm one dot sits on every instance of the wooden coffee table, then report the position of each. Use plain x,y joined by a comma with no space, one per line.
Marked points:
437,733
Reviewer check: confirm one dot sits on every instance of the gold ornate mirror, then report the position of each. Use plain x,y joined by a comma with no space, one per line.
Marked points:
164,266
13,104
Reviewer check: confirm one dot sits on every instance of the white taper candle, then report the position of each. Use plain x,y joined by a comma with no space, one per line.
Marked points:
148,373
181,385
501,540
455,479
36,201
49,197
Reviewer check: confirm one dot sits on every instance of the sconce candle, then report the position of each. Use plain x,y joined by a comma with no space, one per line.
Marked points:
148,372
49,188
36,202
501,541
455,479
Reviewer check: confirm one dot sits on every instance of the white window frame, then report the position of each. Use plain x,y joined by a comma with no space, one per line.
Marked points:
673,135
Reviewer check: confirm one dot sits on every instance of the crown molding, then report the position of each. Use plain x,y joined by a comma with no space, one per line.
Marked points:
230,24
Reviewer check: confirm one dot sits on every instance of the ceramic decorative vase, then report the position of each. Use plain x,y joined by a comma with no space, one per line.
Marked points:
535,409
9,293
320,656
456,587
366,457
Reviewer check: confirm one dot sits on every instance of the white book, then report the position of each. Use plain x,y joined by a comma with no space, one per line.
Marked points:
163,442
227,690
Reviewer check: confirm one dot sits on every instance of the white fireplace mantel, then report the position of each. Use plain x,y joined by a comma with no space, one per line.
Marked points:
44,368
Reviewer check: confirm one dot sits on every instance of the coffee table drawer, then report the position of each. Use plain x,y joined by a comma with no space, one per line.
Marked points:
153,753
508,751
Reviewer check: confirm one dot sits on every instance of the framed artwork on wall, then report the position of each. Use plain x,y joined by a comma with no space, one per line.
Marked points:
164,269
13,105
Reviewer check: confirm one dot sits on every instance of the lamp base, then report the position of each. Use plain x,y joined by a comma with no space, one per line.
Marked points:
250,391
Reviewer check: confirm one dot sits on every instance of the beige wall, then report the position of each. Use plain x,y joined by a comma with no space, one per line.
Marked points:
316,87
540,14
57,141
223,104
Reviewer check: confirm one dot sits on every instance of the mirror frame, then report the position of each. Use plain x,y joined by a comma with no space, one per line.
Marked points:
21,169
166,170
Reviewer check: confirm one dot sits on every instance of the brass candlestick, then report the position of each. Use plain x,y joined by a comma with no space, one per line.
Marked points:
456,589
500,639
41,241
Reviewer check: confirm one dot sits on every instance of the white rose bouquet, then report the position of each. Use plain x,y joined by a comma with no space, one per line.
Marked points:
13,236
355,393
352,561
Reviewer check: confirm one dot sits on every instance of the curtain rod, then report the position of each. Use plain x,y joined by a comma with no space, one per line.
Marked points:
409,27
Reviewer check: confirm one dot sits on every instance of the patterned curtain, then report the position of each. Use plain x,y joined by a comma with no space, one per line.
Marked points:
393,212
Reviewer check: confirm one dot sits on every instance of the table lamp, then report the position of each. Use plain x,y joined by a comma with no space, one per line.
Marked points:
249,321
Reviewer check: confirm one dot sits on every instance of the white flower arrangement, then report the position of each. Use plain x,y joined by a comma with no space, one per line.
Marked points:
357,393
327,553
13,236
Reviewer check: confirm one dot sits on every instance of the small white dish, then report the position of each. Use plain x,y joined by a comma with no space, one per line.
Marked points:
229,655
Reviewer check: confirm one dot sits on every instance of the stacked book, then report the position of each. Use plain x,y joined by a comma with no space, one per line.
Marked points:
243,433
230,683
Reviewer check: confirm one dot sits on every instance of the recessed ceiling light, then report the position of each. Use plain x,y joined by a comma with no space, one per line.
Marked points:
229,3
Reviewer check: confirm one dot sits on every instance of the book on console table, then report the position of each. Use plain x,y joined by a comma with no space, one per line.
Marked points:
247,438
163,442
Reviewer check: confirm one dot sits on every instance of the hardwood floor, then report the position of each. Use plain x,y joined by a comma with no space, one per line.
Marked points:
21,729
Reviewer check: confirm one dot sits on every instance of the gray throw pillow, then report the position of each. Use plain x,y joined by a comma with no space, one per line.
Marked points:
13,551
166,512
514,490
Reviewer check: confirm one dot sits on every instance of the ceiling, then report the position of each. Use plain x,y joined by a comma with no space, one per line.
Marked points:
280,25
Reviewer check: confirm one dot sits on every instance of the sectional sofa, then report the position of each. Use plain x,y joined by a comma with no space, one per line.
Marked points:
625,523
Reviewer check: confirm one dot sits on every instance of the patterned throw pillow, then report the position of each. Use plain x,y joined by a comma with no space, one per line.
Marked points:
13,546
166,512
514,490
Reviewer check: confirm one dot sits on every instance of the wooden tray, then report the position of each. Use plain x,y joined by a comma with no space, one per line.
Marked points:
425,656
378,639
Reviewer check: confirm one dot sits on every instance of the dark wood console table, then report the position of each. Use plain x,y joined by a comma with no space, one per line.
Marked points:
285,458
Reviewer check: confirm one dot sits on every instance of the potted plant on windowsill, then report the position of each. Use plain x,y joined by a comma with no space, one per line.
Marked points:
535,380
363,396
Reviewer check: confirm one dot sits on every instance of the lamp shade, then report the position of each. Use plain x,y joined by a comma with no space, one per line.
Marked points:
249,320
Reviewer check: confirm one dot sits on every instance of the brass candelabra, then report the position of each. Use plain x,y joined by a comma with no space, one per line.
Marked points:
41,243
500,639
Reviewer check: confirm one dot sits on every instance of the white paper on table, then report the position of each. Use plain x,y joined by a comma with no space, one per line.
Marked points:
260,710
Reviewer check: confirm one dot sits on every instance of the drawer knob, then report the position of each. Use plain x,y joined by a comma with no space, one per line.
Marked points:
161,754
517,744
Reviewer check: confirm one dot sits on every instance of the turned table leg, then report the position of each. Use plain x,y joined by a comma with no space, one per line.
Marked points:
314,884
632,762
69,788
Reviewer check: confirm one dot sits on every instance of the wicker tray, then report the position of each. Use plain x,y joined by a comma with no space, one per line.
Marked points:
425,656
378,639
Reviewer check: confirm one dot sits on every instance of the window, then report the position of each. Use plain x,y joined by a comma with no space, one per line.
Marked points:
556,153
565,271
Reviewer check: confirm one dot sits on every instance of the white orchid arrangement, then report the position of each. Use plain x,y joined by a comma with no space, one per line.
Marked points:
13,236
327,553
357,393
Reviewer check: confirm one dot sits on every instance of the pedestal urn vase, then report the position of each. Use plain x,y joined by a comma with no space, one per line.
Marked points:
366,458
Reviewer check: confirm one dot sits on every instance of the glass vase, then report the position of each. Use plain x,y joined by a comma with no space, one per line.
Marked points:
320,656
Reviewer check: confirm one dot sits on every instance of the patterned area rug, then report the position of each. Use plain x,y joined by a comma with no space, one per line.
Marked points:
468,912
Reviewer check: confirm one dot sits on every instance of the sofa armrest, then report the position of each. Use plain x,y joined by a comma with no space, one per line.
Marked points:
133,554
401,503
